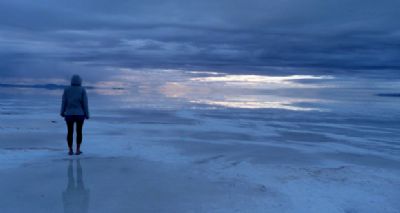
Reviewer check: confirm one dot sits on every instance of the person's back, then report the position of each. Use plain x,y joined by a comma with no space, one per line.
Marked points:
75,109
75,99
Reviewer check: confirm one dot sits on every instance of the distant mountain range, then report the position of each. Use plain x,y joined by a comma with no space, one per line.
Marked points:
49,86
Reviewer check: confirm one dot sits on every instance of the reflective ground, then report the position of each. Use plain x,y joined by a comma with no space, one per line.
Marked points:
184,141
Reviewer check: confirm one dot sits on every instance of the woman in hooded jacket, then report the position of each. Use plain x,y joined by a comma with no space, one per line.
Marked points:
75,109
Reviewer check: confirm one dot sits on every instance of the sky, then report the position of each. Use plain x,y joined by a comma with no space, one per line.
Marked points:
52,38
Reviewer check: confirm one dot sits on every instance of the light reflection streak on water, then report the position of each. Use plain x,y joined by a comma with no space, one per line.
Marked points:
264,81
240,91
246,104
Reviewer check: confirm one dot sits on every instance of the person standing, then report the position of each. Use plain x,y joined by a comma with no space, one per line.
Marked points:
75,110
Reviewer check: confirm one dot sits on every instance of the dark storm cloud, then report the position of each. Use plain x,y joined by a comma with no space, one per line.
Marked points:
53,38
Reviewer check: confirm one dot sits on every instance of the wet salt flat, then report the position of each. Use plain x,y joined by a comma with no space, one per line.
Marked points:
184,141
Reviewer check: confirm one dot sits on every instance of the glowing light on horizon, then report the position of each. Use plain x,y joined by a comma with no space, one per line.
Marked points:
240,91
263,81
288,105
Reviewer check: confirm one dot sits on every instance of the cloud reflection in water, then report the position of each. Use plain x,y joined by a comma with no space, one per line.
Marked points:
244,91
179,88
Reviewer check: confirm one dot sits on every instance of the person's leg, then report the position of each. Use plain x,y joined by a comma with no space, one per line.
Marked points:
79,126
70,134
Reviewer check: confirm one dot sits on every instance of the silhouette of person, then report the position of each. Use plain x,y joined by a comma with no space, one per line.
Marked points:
76,196
75,109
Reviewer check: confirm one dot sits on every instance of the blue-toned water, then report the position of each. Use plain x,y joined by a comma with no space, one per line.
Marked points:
326,137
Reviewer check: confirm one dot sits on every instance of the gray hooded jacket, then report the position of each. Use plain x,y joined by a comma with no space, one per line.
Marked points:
74,99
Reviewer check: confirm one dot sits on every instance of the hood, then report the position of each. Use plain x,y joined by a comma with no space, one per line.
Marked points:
76,80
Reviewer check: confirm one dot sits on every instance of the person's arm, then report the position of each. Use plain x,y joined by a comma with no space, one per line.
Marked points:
85,104
63,104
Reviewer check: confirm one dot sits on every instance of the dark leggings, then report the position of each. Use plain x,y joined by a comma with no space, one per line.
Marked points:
71,119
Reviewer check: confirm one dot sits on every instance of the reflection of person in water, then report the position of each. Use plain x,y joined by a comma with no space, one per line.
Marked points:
76,196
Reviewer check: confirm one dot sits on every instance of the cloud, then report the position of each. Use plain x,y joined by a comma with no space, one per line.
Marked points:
56,38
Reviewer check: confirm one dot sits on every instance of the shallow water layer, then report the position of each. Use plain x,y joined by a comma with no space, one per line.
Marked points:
184,141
